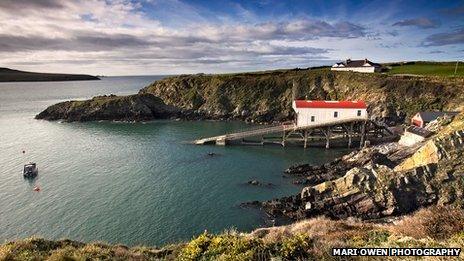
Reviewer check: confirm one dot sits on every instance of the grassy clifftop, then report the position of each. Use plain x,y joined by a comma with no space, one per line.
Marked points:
446,69
267,96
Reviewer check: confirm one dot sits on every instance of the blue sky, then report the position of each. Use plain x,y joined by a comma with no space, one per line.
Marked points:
124,37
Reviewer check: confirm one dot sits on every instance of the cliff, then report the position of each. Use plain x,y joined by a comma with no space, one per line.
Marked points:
9,75
267,96
122,108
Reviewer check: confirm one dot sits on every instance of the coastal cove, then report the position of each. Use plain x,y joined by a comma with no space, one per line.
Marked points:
130,183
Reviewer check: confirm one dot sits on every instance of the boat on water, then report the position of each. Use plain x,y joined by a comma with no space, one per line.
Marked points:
30,170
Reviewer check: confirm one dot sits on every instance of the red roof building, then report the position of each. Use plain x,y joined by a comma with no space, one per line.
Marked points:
316,112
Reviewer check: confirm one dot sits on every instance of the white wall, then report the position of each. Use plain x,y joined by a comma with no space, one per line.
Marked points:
409,139
326,115
366,69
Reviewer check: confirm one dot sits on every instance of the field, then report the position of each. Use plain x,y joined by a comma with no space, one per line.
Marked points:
427,68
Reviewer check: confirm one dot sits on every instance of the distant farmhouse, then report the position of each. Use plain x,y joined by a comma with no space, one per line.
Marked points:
364,66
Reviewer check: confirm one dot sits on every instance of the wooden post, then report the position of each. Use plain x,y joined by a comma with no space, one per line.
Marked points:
305,139
350,135
327,138
363,133
283,139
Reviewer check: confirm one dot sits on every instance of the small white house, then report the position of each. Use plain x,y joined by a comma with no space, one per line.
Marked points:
421,119
319,112
365,66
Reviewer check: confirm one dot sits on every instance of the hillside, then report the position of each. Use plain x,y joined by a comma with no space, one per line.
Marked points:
267,96
9,75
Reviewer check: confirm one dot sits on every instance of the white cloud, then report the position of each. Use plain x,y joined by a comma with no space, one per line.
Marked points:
118,37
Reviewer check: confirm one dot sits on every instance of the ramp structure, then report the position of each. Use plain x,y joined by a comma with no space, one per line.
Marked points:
346,129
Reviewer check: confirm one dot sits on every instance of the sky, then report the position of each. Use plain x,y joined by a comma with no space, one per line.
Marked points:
157,37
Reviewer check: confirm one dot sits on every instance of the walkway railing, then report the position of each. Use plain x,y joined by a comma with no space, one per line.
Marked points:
274,129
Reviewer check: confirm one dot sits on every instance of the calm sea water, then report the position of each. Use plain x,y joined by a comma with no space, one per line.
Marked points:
130,183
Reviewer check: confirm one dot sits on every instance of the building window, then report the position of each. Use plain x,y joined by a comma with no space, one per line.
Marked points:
335,114
313,118
359,112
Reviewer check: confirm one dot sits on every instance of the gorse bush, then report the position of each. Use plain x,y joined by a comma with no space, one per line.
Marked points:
436,222
297,247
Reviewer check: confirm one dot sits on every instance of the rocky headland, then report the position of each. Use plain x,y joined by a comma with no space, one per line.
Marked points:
10,75
138,107
267,96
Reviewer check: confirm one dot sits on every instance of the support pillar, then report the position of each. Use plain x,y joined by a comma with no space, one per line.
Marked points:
350,135
305,139
283,139
363,134
327,138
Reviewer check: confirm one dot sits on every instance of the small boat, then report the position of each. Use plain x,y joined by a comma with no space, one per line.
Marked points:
30,170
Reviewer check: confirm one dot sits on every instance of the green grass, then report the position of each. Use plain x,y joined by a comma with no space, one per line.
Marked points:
428,68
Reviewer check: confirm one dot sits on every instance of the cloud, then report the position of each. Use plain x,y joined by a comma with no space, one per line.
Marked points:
15,5
102,35
440,39
436,52
423,23
454,11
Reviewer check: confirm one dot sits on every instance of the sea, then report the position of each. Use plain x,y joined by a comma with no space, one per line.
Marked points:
129,183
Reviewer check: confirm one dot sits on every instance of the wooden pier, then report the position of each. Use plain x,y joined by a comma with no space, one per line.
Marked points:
341,129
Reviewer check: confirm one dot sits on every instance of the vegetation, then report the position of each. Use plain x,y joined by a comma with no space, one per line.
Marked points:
310,239
427,68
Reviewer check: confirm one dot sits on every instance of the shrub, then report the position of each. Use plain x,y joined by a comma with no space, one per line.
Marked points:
297,247
438,222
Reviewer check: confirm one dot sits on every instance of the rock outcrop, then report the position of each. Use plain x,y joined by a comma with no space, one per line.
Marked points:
138,107
401,182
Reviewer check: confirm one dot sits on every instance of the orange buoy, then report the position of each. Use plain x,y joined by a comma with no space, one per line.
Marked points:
36,188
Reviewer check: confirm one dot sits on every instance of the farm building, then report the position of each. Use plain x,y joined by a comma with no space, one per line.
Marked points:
423,118
365,66
320,112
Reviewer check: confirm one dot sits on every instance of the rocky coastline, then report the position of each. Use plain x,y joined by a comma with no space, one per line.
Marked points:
377,182
266,97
